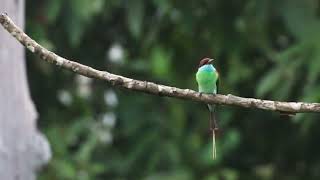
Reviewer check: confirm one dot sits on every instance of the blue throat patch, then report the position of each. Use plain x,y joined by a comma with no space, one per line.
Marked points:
207,67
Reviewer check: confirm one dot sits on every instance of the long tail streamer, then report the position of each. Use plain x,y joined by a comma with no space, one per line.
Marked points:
213,127
214,149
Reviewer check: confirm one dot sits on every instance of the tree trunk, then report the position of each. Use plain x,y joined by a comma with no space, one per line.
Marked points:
22,148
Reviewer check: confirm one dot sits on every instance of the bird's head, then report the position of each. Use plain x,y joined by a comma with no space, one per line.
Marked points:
205,61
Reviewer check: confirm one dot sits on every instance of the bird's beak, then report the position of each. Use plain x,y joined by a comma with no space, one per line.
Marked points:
210,60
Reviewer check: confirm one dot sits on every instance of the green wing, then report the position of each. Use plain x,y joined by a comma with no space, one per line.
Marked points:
217,82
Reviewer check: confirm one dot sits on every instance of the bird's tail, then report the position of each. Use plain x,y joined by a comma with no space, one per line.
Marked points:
213,128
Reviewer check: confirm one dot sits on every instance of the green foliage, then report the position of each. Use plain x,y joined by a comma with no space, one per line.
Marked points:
135,16
263,48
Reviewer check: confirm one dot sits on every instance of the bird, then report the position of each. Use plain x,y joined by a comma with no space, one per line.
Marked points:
208,79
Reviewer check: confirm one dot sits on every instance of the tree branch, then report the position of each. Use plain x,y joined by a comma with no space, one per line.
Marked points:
150,87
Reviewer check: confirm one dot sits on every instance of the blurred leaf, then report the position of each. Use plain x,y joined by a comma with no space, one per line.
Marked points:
135,17
86,151
314,66
79,17
268,82
160,60
230,142
174,175
296,12
75,30
65,169
230,174
53,10
264,171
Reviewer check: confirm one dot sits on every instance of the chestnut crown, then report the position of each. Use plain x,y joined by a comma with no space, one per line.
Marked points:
205,61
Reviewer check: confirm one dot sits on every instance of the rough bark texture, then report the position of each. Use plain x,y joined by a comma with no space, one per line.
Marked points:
22,148
150,87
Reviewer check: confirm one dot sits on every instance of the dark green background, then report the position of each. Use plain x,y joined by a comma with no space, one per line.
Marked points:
263,48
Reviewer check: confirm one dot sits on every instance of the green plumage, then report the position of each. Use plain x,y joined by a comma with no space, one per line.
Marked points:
207,78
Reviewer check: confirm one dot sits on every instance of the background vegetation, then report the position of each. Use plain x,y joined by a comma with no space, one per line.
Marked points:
264,48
